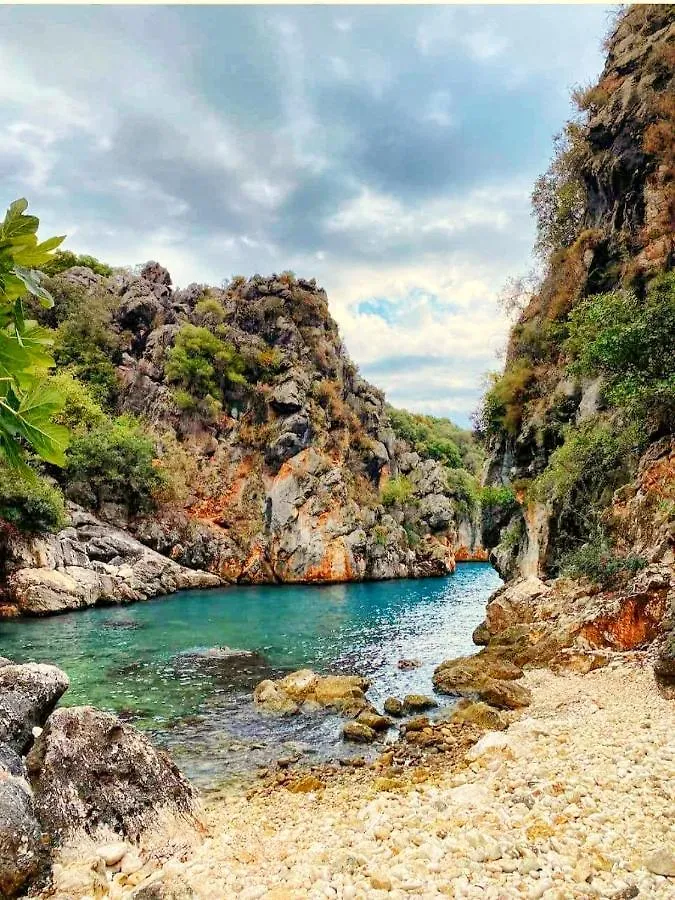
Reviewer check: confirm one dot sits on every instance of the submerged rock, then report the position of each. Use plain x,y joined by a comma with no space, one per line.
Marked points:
28,694
223,663
88,769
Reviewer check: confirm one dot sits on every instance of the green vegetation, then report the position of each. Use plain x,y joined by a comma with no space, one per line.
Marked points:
396,490
599,561
437,438
631,342
204,368
29,502
115,462
66,259
27,404
503,404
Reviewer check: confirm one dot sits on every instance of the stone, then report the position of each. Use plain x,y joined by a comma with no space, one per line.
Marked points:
380,883
578,662
506,694
472,670
111,854
413,703
306,691
23,857
305,785
407,664
478,713
661,862
417,723
374,720
358,733
176,889
88,769
28,694
299,685
394,707
481,635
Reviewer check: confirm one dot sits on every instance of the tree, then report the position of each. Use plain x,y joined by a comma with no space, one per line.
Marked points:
27,403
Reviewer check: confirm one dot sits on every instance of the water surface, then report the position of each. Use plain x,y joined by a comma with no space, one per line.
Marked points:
135,660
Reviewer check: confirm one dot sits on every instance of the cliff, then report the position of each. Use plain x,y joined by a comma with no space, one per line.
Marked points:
580,423
275,460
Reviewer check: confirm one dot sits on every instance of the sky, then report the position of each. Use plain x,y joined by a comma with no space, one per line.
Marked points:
388,152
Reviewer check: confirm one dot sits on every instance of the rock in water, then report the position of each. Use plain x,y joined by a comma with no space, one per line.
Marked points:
358,733
393,707
22,853
88,769
413,703
28,694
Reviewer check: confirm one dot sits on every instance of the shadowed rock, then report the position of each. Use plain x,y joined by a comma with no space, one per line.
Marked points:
28,694
88,769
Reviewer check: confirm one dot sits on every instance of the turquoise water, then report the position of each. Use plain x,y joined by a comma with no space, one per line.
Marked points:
135,660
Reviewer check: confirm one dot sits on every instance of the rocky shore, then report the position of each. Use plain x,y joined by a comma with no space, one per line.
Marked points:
573,800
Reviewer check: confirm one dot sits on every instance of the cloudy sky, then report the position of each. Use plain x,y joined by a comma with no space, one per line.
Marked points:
387,151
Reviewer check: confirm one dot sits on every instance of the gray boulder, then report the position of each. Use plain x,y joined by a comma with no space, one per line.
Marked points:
28,694
23,855
88,769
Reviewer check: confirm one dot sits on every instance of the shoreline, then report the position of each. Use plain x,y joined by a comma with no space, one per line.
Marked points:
574,800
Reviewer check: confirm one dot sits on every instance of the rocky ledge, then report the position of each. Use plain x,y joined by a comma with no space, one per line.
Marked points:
88,563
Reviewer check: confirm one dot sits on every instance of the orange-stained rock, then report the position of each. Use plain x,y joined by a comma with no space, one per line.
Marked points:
634,623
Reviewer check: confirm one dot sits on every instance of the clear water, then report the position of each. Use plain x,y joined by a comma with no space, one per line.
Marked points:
135,660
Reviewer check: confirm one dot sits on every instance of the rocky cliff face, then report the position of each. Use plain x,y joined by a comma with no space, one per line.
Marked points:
280,483
623,161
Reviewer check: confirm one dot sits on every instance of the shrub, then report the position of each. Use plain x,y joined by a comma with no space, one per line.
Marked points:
503,404
66,259
500,498
396,490
202,364
116,462
81,413
511,536
631,342
380,534
559,195
209,312
464,490
29,502
599,561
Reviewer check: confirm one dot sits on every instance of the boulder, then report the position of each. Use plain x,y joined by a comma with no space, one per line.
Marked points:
394,707
414,703
505,694
664,667
374,720
23,856
470,670
28,694
474,712
578,662
88,769
358,733
306,690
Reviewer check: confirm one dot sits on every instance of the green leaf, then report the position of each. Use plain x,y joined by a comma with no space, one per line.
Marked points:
31,281
29,416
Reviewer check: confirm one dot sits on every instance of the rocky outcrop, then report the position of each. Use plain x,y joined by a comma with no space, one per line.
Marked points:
305,691
89,563
487,676
89,770
23,856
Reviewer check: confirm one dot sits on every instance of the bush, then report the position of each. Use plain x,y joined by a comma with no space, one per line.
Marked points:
464,490
396,490
503,404
629,341
116,462
81,413
66,259
29,502
209,312
500,498
202,364
599,561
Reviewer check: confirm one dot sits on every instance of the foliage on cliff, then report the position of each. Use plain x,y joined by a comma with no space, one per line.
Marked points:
589,381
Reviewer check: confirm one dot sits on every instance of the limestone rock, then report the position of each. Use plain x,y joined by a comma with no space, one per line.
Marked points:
88,769
394,707
479,713
358,733
28,694
579,662
23,856
413,703
305,690
374,720
661,862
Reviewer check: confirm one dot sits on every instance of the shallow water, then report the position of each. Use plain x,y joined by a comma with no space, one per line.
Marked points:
135,660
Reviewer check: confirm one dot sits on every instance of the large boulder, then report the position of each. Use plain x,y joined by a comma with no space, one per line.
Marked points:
23,855
486,676
306,690
88,769
28,694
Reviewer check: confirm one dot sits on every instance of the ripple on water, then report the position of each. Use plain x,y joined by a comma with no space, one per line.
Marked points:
144,662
